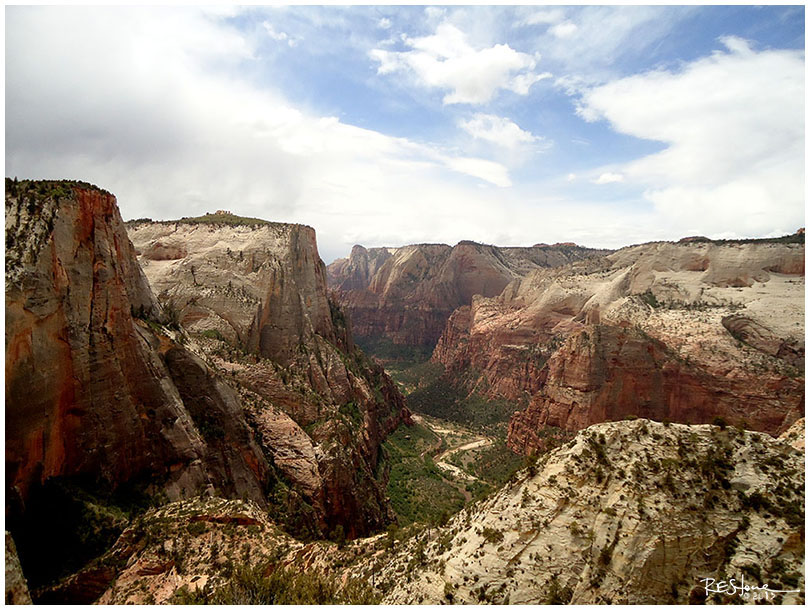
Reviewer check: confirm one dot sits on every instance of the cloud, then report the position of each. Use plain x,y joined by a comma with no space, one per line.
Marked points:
733,125
564,30
571,177
498,130
162,119
587,44
280,36
608,178
445,60
544,17
384,23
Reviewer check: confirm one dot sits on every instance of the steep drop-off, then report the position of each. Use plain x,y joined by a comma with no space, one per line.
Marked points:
254,296
95,387
403,296
627,512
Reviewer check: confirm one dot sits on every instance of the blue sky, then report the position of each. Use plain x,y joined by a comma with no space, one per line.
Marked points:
602,125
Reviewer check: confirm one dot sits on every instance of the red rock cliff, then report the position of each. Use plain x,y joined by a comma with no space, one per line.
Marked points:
88,388
686,332
405,295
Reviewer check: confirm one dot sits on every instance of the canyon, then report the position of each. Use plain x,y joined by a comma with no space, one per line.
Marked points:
400,298
283,411
626,512
190,420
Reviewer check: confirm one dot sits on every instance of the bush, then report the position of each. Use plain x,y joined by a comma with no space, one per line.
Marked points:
492,535
250,585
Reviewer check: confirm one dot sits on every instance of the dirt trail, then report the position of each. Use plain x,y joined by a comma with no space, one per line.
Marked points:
440,459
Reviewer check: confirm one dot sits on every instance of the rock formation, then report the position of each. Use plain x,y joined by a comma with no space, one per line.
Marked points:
254,295
16,585
627,512
127,402
405,295
98,393
106,404
681,332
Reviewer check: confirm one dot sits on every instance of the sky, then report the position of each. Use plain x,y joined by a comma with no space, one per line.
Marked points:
386,126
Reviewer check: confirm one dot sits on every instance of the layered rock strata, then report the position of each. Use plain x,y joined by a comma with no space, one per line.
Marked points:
627,512
254,295
88,389
682,332
405,295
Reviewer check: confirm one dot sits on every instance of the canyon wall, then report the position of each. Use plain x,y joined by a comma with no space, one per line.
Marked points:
88,391
253,295
683,332
404,296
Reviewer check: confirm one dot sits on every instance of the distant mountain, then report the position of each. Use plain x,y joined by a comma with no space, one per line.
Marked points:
400,298
684,332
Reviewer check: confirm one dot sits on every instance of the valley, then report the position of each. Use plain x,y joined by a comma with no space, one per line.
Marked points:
222,418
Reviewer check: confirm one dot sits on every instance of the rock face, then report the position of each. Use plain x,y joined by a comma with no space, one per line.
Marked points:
16,586
682,332
98,393
405,295
105,404
627,512
254,295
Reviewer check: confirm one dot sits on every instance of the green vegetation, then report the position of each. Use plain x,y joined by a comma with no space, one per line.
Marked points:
47,188
794,238
494,464
261,585
649,298
210,219
70,521
385,349
213,334
416,487
442,399
409,376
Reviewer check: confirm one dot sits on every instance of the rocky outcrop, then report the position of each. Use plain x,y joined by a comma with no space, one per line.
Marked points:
105,404
405,295
16,585
99,392
607,373
628,512
254,295
685,332
794,435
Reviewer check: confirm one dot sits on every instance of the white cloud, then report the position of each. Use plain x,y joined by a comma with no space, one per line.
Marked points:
155,120
498,130
490,171
608,178
564,30
280,36
733,125
445,60
571,177
384,23
544,17
591,40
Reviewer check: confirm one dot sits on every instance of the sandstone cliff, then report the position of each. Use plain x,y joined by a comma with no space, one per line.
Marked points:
99,394
681,332
627,512
106,404
254,296
405,295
